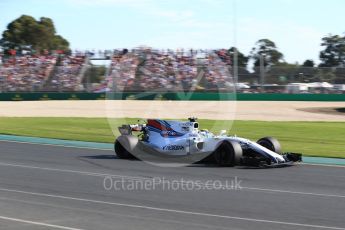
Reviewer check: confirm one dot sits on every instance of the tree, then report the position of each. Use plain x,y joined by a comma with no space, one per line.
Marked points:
242,60
282,73
267,50
334,53
308,63
39,35
59,43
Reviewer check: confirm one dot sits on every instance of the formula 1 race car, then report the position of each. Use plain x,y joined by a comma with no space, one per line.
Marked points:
176,140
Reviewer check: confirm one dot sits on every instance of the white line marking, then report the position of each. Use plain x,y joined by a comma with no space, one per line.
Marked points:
75,171
294,192
172,210
56,145
325,165
157,219
38,223
148,178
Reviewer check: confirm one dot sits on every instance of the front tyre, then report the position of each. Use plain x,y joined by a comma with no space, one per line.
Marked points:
121,152
229,153
270,143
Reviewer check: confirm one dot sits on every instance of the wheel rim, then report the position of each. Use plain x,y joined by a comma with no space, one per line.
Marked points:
223,157
267,145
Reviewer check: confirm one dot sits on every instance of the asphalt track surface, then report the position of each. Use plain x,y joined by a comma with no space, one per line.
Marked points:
55,187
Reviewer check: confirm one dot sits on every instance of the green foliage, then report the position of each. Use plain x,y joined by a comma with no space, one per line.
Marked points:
242,60
26,31
269,52
286,71
334,53
340,76
94,74
302,73
308,63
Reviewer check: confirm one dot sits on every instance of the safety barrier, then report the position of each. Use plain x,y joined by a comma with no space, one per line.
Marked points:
195,96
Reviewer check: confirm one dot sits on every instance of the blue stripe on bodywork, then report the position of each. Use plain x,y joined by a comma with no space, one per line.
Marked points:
153,129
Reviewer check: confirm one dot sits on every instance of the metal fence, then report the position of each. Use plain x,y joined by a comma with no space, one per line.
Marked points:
292,79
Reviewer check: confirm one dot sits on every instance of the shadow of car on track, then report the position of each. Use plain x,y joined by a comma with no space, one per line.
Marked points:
235,167
106,157
102,157
196,165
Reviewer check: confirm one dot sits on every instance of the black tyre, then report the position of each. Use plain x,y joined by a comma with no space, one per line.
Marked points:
121,152
270,143
229,153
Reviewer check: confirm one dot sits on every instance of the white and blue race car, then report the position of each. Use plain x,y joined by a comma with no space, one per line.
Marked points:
183,142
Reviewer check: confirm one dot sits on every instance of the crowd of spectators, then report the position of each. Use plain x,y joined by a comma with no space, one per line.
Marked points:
123,71
67,75
218,74
48,72
167,70
26,73
140,69
224,55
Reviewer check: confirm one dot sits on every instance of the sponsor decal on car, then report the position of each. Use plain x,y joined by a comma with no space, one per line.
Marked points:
170,133
186,129
186,124
173,147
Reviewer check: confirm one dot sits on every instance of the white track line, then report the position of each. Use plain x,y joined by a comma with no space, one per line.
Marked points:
75,171
38,223
173,210
146,178
324,165
294,192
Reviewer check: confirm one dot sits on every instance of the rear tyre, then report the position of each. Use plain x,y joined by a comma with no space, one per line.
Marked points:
270,143
229,153
121,152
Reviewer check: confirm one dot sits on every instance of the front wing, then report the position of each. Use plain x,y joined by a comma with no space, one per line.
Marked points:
289,157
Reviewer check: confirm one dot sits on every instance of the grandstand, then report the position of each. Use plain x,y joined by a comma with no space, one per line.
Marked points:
26,73
146,69
68,74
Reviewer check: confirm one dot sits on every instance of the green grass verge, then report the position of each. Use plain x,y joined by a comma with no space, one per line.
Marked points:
311,138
